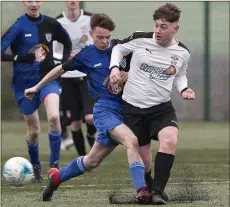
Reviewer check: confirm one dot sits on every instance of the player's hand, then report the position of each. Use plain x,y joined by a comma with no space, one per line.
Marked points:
115,75
30,92
28,58
188,94
124,76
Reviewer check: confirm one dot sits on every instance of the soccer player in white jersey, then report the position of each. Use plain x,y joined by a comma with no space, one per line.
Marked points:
158,62
75,100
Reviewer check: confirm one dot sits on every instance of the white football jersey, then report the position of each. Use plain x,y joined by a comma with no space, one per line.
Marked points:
78,32
153,69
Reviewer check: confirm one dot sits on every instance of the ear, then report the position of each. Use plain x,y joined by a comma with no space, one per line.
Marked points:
176,29
91,33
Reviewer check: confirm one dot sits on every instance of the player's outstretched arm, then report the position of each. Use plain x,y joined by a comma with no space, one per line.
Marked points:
52,75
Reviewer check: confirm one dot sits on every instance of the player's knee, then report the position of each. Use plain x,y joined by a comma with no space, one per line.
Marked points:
91,162
76,125
33,133
132,143
169,141
89,119
53,120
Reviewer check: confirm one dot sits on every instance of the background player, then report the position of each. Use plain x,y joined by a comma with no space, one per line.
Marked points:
31,38
76,103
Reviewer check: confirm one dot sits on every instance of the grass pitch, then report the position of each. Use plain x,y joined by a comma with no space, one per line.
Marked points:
200,176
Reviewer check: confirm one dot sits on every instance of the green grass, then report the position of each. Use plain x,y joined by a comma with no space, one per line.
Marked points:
200,173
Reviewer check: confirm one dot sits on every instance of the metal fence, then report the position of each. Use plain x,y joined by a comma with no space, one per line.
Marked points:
137,16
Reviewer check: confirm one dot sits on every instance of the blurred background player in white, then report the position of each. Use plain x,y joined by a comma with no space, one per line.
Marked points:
76,103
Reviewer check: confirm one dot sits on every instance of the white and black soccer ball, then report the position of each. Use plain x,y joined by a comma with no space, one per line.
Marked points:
18,171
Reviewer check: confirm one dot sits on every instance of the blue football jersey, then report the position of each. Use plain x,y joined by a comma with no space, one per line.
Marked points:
95,63
34,35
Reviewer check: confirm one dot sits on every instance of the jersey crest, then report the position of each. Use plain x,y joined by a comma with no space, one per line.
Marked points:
48,37
83,39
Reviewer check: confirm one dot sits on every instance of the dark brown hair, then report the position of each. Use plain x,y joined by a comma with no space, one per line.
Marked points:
103,21
169,12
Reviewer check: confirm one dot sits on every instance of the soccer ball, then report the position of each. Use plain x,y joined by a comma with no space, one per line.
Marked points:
18,171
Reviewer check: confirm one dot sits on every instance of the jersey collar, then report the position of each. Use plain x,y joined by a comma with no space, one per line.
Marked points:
38,19
81,14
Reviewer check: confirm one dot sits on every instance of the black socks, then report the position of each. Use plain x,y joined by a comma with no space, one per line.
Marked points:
162,168
91,131
79,142
149,180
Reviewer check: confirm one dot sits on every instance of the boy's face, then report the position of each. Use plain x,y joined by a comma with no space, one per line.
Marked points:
72,5
164,31
101,38
32,8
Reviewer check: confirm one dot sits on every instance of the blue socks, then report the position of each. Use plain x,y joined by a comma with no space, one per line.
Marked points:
137,171
74,169
33,153
55,144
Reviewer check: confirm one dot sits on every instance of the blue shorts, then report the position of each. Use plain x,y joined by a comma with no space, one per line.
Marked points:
28,106
107,114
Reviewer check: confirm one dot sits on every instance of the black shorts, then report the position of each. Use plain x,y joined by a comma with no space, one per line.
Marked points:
75,98
146,123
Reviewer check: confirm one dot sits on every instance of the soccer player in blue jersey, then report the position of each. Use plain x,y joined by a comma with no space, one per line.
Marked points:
30,39
94,61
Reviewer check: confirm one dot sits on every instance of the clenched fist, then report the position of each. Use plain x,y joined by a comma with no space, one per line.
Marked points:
115,75
188,94
30,92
